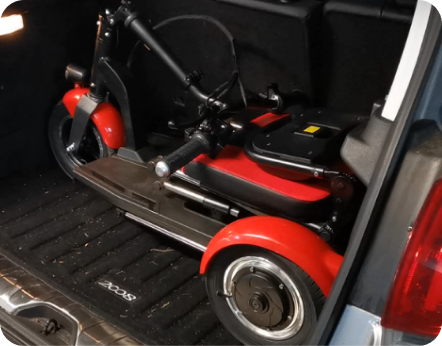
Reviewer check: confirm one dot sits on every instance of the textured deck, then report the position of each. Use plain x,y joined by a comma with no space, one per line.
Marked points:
66,235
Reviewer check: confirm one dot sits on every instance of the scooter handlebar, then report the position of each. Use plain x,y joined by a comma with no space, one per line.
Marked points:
199,144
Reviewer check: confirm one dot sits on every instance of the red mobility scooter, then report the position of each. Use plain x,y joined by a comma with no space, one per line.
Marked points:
267,199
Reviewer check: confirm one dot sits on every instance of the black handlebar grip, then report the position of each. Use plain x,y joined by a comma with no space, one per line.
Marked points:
198,145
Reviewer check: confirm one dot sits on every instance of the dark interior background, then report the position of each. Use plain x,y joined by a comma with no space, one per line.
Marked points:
342,53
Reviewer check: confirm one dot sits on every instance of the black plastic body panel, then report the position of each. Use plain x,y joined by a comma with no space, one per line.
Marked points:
383,179
422,166
363,146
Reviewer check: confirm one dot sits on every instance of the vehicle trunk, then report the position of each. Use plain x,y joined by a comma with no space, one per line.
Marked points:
72,239
342,54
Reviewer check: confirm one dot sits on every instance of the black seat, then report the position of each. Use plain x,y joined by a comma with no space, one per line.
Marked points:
234,176
305,143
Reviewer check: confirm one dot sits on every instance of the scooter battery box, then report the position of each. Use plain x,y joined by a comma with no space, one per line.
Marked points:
312,137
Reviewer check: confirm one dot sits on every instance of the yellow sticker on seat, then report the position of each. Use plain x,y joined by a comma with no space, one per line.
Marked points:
312,129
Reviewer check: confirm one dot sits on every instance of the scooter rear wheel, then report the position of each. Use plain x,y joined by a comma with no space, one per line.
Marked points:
92,147
262,298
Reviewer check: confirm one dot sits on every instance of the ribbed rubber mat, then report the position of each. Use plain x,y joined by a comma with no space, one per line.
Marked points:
66,235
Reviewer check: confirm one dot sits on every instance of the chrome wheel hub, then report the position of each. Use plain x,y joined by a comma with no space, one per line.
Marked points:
263,298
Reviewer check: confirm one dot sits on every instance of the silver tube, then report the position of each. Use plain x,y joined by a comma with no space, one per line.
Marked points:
202,199
194,196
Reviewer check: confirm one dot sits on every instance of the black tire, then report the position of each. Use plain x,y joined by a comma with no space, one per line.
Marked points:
312,297
91,149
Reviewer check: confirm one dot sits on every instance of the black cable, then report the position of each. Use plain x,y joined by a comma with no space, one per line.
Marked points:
228,34
218,93
187,124
222,90
190,17
134,50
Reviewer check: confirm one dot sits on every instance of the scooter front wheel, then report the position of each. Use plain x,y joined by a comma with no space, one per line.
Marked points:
92,146
262,298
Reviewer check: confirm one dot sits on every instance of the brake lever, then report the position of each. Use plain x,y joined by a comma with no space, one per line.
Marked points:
222,131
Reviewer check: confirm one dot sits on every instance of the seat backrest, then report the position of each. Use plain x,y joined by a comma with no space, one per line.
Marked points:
362,43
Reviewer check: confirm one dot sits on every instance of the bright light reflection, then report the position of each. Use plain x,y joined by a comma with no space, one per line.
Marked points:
11,24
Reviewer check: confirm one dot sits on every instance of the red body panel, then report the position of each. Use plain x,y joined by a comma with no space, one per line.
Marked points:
286,238
106,118
267,119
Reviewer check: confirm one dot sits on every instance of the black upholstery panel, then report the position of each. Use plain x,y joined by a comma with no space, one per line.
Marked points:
361,52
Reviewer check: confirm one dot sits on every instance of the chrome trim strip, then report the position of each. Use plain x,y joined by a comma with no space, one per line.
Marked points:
20,291
164,231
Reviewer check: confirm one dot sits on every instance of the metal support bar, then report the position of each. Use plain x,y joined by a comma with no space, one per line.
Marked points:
118,80
166,232
202,199
127,14
106,41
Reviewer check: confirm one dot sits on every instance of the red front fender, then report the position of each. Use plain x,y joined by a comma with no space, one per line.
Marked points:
106,118
286,238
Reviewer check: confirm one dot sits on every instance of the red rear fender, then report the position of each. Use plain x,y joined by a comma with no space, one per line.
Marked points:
286,238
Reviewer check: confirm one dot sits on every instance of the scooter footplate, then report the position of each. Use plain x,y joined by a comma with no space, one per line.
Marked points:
130,187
